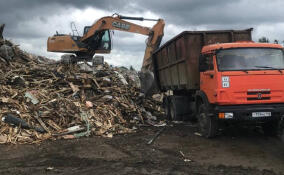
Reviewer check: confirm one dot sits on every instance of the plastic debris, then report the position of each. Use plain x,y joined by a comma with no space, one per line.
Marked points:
122,79
89,104
33,99
198,134
15,121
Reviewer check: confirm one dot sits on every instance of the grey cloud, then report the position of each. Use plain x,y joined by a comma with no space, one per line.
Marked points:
16,12
222,12
179,12
6,6
30,20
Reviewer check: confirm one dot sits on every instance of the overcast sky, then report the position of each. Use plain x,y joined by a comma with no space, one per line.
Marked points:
30,22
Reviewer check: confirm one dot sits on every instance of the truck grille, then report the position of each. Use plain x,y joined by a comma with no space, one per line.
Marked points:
258,95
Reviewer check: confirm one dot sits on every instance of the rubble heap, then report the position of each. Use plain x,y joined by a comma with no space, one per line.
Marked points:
41,99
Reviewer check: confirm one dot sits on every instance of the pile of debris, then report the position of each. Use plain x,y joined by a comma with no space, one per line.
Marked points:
41,99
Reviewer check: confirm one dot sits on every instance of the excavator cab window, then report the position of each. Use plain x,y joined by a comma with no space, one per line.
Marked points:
105,41
100,42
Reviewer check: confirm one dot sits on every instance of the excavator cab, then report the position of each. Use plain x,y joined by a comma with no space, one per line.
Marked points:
98,43
101,42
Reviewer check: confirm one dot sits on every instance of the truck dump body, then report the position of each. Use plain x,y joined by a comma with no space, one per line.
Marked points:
176,62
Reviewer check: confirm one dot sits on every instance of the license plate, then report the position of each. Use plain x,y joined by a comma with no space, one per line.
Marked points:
261,114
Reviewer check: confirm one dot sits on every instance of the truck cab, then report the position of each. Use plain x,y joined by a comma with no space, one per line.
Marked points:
242,81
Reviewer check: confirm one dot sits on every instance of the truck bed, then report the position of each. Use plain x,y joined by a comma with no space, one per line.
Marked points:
176,62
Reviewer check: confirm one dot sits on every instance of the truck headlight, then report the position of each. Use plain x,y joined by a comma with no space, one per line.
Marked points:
229,115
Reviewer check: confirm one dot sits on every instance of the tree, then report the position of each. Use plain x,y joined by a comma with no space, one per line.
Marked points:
131,68
263,40
1,30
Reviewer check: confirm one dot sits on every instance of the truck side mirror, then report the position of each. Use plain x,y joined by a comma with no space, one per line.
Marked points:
203,66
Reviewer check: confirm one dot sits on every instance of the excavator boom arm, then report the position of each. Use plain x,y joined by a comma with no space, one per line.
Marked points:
154,34
115,23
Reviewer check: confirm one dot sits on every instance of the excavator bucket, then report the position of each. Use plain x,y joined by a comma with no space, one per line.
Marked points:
147,78
147,81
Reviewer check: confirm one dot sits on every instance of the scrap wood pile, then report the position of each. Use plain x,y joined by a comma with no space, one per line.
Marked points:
41,99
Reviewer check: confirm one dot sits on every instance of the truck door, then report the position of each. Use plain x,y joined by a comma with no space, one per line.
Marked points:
208,78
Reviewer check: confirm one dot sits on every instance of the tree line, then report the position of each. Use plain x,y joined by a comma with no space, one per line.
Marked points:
266,40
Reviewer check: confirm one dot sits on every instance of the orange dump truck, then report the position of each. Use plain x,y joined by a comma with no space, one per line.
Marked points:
221,77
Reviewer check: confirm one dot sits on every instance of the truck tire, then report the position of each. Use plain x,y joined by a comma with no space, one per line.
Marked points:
282,134
167,107
170,109
173,112
208,125
270,128
281,129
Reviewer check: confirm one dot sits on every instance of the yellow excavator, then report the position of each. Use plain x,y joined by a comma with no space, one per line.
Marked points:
97,39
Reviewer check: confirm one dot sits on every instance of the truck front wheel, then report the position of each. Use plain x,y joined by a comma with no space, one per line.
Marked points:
281,129
282,134
208,125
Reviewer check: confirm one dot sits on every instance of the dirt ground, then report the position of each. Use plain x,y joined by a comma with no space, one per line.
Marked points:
176,151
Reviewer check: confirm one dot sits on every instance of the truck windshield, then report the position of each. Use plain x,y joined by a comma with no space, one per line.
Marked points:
250,59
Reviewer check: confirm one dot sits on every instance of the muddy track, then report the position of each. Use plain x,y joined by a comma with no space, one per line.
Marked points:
241,151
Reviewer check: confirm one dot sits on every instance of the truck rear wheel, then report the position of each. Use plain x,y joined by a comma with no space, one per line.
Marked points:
173,112
270,128
170,109
208,125
166,105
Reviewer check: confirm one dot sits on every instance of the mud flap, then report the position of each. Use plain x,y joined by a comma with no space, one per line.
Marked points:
179,108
